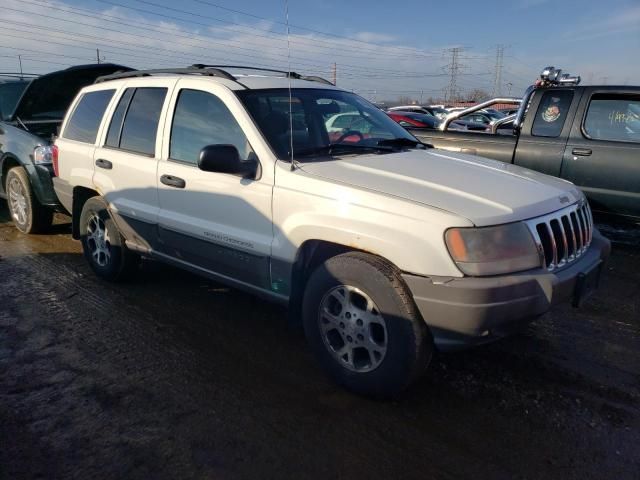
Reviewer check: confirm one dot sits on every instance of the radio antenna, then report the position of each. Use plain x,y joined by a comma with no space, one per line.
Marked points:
286,14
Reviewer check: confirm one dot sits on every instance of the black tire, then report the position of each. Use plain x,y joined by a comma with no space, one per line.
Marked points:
31,216
109,259
409,345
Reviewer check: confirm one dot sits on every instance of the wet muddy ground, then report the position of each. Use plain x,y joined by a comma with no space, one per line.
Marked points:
172,376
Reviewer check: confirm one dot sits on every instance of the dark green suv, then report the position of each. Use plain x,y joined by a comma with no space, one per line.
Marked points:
30,113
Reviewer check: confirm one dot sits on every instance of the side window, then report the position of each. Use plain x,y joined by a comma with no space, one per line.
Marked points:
85,120
140,125
202,119
552,113
613,117
115,127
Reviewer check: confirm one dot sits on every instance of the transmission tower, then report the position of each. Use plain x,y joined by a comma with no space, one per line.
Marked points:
452,92
497,83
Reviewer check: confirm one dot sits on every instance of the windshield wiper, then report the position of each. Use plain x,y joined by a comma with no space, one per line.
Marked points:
336,147
402,142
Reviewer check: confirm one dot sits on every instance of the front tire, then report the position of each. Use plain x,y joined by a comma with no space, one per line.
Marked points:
28,215
363,326
102,243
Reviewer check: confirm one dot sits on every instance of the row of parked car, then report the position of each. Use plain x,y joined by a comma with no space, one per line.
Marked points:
425,116
290,188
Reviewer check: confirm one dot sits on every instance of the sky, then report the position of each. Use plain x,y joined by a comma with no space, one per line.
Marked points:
382,50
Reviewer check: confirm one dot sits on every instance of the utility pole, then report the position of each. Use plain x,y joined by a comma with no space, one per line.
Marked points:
497,82
335,73
98,55
454,70
20,61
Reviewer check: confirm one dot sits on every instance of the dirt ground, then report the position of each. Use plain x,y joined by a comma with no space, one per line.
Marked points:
172,376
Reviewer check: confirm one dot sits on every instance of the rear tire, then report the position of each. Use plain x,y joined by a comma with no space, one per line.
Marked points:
28,215
103,245
363,326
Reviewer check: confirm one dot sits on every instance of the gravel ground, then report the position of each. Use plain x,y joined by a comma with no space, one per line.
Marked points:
172,376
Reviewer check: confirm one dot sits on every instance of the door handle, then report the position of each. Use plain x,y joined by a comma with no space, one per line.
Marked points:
172,181
581,152
102,163
470,151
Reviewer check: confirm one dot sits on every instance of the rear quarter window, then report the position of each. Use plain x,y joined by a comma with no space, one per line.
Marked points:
613,117
86,117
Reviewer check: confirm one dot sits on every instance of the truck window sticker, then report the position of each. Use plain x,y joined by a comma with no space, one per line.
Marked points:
552,113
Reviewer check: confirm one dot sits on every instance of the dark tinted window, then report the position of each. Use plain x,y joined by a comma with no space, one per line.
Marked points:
113,135
85,120
141,122
613,117
552,113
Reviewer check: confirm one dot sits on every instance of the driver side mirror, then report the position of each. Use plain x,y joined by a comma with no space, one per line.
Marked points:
226,159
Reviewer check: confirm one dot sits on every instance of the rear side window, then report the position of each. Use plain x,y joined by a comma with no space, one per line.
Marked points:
202,119
85,120
140,126
613,117
552,113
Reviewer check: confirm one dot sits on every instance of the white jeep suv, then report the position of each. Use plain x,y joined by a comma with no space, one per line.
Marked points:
384,247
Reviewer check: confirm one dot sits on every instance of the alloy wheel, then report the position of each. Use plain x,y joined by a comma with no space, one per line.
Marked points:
353,329
98,241
17,201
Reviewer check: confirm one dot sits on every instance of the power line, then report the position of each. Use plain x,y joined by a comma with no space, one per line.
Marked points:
394,71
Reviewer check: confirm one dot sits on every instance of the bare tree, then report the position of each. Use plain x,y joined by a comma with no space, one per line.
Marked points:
478,95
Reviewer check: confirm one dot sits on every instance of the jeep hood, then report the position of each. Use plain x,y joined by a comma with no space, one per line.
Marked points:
48,96
484,191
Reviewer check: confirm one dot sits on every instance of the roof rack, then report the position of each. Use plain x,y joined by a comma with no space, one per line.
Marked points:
145,73
208,70
297,76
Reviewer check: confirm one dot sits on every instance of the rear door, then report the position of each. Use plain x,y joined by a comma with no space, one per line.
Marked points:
213,221
77,143
126,161
603,153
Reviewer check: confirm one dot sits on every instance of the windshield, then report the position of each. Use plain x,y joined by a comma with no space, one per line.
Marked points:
324,121
9,95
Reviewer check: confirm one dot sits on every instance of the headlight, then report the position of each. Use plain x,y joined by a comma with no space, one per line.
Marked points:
45,154
493,250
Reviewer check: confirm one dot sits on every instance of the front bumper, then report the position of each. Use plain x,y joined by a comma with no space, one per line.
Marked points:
467,311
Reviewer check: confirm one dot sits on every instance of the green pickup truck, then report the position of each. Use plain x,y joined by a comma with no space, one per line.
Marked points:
589,135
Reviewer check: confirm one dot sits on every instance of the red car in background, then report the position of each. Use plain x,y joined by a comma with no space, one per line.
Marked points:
414,120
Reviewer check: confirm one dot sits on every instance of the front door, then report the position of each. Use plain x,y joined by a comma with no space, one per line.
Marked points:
217,222
602,156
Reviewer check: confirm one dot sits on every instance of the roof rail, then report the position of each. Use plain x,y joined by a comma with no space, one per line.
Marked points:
212,72
297,76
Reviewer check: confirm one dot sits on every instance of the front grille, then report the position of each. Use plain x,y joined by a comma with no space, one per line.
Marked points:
563,236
